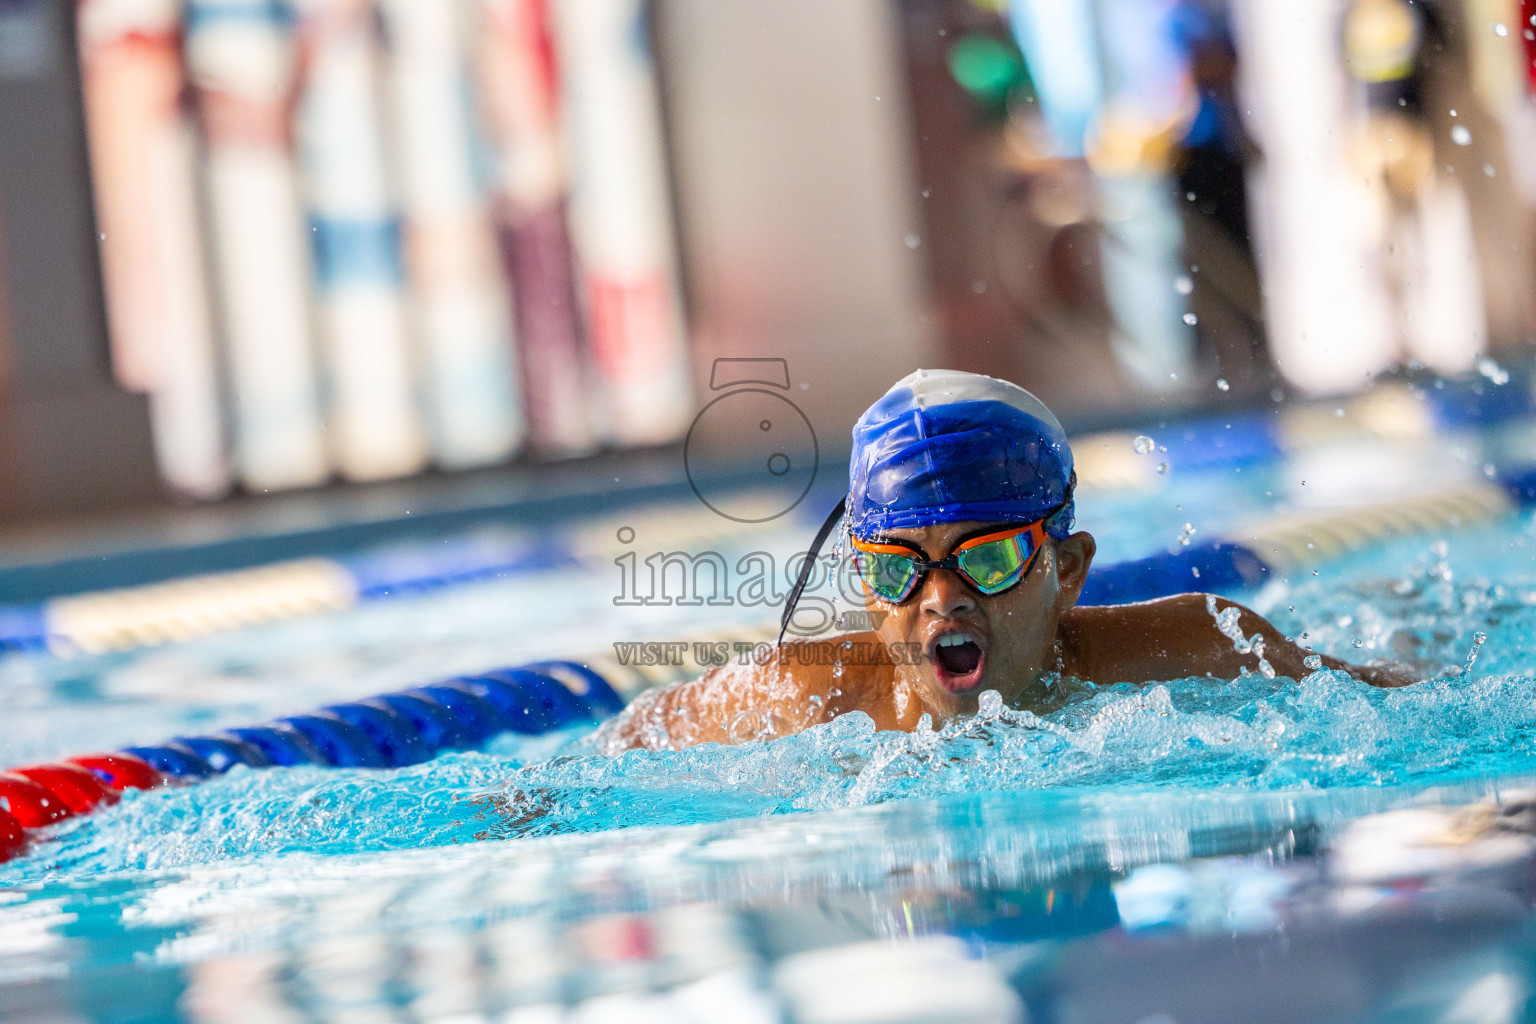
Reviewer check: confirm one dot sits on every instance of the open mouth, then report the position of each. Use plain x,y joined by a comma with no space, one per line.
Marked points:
958,660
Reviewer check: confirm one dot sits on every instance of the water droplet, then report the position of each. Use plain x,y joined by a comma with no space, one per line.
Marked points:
1313,662
927,192
1183,284
1339,412
1488,168
1499,29
978,286
1162,467
912,240
1222,385
1461,135
1493,371
1191,319
1189,196
1356,643
1143,444
1478,639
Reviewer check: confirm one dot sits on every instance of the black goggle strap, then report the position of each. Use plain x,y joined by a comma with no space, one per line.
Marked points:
809,565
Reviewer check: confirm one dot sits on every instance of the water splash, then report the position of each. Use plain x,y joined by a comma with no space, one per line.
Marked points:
1227,622
1193,735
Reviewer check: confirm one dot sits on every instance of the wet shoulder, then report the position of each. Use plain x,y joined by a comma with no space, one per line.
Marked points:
1122,642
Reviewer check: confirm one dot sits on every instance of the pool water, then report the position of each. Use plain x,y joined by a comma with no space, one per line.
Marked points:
1181,849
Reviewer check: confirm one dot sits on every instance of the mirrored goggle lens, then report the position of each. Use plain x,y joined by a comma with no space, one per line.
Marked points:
888,575
998,564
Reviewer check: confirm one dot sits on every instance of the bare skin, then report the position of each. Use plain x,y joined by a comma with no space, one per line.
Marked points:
1024,636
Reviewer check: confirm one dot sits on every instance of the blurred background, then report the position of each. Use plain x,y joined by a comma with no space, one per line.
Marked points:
250,246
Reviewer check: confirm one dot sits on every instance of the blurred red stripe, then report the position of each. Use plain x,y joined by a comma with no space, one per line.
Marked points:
79,790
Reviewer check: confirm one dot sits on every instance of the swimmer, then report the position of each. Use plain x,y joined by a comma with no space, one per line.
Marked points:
959,527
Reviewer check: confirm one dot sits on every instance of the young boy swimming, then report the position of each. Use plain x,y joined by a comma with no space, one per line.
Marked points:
959,521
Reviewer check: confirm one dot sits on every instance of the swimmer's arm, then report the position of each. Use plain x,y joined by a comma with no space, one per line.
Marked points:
727,704
666,718
1177,636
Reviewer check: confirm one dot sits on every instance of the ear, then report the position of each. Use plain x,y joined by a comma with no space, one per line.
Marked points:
1073,557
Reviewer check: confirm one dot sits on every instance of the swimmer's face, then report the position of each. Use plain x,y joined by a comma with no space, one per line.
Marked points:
969,642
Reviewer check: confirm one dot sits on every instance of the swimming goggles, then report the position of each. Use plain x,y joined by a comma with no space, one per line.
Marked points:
993,562
1028,539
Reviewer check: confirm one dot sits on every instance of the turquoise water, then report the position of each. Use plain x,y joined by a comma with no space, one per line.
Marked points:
538,878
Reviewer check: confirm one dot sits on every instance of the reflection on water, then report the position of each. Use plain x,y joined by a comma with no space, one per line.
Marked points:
1083,903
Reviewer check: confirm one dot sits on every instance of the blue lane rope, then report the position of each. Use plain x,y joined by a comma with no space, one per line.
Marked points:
173,759
1217,566
224,752
279,743
395,730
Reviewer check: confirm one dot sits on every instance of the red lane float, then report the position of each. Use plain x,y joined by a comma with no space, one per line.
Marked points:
29,803
119,771
43,794
76,787
12,839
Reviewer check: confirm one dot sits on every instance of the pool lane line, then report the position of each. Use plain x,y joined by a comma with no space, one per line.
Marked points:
391,730
192,606
1248,556
183,609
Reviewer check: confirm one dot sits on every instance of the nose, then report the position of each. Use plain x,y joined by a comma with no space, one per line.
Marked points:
944,594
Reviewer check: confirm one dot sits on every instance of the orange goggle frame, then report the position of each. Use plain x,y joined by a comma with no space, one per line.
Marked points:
991,563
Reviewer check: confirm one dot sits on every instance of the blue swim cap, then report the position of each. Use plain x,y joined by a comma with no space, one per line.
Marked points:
944,446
